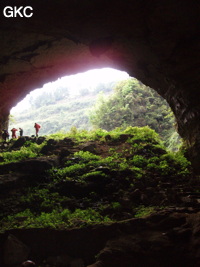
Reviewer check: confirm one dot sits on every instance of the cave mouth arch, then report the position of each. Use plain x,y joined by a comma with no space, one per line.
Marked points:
158,43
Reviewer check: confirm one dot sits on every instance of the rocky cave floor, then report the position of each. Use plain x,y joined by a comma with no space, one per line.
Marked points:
168,237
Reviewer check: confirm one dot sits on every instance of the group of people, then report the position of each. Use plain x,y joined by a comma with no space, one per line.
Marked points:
5,133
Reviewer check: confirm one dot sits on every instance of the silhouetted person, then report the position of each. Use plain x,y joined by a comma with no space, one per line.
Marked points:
5,135
14,132
20,132
37,128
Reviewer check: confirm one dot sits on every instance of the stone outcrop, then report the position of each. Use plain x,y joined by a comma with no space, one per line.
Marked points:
155,41
168,238
15,252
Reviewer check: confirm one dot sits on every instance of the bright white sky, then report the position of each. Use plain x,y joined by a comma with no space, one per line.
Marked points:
75,82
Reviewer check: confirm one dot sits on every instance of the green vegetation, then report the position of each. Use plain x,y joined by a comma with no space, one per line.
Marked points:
130,104
90,188
42,199
55,219
80,135
29,150
143,211
59,110
146,151
134,104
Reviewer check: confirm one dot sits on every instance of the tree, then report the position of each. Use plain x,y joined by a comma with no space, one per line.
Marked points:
133,104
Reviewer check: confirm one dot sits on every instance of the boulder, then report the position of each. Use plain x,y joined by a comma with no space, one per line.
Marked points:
77,263
40,140
15,251
25,173
90,147
64,153
31,166
68,141
108,138
49,147
18,143
124,137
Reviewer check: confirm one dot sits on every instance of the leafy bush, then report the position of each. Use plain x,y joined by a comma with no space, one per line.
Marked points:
34,147
56,219
142,134
57,136
42,199
86,156
18,155
93,174
169,164
28,150
132,103
139,161
143,211
72,171
116,205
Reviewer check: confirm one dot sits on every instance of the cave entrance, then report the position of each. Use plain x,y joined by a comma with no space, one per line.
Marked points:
61,104
102,98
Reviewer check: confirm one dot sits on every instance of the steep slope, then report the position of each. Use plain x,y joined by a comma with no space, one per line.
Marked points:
88,196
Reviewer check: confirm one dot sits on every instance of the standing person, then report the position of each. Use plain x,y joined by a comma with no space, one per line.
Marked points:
20,132
14,132
5,135
37,128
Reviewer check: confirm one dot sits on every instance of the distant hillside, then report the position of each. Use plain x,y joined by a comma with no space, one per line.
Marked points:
120,104
59,110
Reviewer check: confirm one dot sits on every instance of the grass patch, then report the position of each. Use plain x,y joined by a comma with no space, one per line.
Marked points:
55,220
